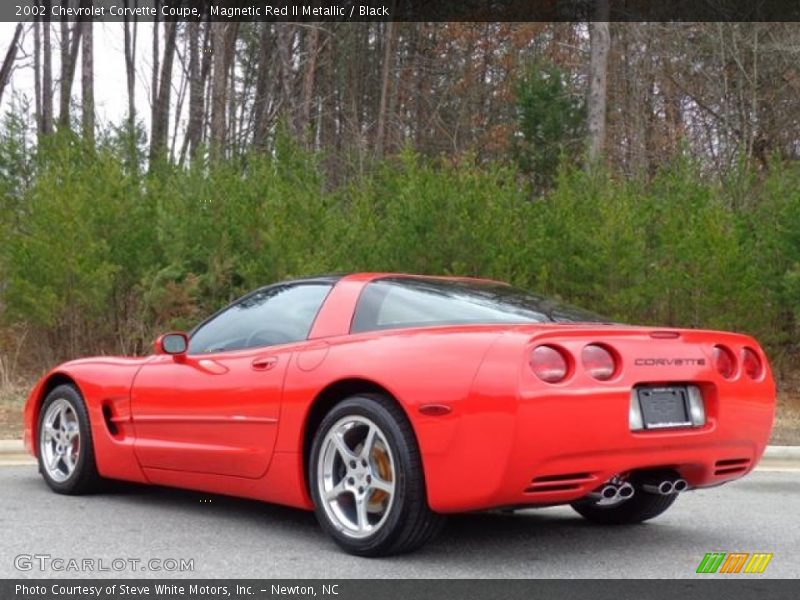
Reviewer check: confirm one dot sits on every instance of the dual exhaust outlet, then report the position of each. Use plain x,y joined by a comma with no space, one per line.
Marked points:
614,490
666,487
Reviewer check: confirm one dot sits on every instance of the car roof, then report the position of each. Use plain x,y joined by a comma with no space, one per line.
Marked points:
373,275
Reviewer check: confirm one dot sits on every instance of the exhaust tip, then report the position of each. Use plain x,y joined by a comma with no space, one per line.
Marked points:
626,490
680,485
609,492
663,488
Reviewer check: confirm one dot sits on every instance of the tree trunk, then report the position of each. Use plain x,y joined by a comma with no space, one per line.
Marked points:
64,92
183,86
285,42
130,67
8,63
195,127
308,78
69,58
382,108
154,74
224,40
87,82
421,121
231,132
37,72
327,102
218,87
260,120
600,40
47,74
244,109
197,97
160,125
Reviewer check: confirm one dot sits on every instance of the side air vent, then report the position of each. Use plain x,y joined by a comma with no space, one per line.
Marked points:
108,416
565,482
731,466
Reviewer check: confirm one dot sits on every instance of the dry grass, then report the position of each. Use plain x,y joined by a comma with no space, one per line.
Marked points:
785,433
12,399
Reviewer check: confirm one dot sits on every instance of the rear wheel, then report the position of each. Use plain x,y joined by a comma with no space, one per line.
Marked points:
66,454
366,479
640,507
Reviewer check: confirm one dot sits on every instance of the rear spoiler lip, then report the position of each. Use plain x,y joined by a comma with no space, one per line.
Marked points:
601,331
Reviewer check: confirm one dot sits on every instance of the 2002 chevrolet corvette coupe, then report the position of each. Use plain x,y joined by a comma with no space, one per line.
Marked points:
385,401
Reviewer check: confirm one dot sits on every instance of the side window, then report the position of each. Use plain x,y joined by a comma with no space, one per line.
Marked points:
275,315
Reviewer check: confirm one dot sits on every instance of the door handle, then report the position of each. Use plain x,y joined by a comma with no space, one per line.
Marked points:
264,363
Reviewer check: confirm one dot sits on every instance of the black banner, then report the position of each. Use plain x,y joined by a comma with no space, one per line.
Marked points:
420,589
404,10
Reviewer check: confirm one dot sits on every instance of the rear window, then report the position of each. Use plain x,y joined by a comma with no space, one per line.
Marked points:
418,302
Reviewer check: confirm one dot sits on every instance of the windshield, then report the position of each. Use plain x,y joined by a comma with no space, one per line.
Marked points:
416,302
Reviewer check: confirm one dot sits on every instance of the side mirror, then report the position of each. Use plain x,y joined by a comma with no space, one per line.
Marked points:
175,344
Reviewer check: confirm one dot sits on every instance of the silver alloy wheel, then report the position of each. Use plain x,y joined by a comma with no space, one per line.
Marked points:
60,440
356,476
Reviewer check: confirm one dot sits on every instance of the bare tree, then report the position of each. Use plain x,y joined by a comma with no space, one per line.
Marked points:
264,83
223,44
198,101
194,129
600,40
87,82
156,68
182,90
161,109
285,44
37,72
47,75
388,56
312,50
69,57
8,62
720,91
131,32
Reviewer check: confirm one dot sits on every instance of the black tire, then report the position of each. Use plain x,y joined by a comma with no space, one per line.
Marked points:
84,478
409,522
641,507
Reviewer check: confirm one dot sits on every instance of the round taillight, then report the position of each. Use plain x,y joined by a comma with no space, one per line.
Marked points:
598,362
724,362
752,364
549,364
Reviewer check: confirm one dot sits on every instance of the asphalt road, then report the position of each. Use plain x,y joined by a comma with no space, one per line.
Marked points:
236,538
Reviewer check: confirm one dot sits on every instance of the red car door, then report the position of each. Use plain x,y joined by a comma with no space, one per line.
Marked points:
216,410
211,414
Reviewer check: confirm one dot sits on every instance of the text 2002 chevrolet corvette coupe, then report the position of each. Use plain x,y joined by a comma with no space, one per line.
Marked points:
385,401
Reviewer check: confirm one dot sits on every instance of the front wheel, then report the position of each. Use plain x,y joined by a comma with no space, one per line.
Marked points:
66,453
367,481
641,507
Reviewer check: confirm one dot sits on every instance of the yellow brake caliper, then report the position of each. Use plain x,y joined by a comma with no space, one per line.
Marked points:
384,468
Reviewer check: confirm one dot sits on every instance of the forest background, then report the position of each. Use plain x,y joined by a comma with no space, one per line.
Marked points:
646,171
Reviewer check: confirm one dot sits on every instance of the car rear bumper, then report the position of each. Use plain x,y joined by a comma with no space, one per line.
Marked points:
555,449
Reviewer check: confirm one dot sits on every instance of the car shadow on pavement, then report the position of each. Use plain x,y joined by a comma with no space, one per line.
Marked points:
212,507
556,531
525,537
542,538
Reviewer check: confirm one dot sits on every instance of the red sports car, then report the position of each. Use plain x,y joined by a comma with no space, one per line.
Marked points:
385,401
